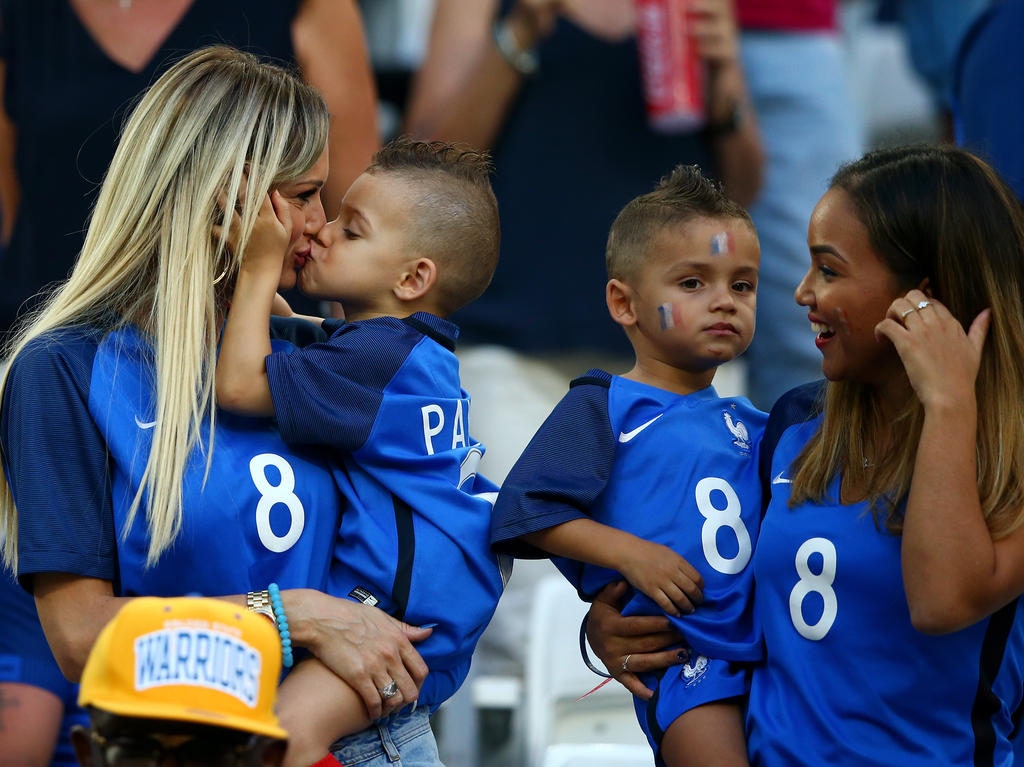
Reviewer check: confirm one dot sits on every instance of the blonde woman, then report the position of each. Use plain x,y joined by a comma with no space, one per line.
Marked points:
122,478
890,564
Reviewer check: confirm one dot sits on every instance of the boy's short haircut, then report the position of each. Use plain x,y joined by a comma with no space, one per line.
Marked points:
455,217
682,196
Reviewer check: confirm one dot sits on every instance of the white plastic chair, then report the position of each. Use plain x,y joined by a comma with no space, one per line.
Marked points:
556,676
597,755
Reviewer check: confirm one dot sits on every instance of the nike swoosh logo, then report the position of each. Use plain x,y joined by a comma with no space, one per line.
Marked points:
781,480
144,425
626,436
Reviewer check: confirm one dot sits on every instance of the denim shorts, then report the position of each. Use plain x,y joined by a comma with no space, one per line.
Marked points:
403,739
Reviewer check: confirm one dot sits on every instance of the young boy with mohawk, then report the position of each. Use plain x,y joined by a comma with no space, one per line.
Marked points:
637,475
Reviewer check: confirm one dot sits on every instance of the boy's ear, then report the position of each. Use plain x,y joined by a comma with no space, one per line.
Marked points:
923,286
619,297
416,279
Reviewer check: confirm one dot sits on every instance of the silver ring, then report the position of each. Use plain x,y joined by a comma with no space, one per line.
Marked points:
625,662
922,304
389,691
911,310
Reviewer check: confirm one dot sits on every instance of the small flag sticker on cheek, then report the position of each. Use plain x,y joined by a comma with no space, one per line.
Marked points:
721,243
669,314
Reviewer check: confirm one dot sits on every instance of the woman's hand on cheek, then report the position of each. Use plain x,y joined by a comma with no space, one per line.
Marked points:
940,358
642,638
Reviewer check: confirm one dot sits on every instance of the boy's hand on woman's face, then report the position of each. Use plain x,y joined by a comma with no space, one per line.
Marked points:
270,237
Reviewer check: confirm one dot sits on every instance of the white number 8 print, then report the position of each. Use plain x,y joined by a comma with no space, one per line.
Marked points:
715,519
820,583
270,496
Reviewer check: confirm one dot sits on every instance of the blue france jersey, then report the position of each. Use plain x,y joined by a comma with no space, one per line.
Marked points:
677,470
77,427
414,540
25,658
848,681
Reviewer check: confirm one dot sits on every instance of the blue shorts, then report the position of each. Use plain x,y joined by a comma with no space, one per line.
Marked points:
678,689
403,739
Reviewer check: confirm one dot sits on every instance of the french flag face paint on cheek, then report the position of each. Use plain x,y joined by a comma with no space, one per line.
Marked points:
721,243
670,316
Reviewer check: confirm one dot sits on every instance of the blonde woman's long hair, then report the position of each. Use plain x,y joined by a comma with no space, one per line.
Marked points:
215,121
942,214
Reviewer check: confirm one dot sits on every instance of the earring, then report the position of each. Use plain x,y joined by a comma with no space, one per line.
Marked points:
221,276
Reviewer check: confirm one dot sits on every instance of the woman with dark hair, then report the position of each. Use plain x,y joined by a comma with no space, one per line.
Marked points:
890,562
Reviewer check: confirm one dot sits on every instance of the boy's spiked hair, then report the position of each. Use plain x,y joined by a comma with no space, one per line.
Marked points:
455,217
681,196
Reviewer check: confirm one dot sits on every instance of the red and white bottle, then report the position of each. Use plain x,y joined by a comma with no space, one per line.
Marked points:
672,71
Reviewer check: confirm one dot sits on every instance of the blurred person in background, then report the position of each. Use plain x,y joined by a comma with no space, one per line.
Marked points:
988,116
793,59
70,71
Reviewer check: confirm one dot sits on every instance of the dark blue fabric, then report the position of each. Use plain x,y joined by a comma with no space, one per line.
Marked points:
68,100
548,484
298,332
988,109
55,458
575,149
335,388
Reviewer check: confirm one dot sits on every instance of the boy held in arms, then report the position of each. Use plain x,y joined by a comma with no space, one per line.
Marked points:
416,239
631,473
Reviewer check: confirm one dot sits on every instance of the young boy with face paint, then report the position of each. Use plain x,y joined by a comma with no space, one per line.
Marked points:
639,475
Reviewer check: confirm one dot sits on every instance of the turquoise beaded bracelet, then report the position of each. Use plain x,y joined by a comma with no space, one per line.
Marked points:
282,625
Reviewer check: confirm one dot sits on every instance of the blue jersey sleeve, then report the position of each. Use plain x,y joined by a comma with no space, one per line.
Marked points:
329,393
55,459
562,471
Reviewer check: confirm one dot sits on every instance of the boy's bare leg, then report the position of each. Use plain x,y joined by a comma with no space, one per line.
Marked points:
711,735
316,707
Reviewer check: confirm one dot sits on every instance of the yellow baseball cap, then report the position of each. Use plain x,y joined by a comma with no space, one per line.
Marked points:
187,659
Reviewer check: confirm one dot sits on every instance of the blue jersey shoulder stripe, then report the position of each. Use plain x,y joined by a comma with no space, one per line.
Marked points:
443,334
406,533
593,378
987,703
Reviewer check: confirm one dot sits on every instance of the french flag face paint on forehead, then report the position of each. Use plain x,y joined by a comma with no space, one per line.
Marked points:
721,243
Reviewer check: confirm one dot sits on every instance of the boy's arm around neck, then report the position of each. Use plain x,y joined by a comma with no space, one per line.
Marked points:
242,385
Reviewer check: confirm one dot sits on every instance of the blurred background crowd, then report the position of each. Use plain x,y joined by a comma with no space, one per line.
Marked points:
795,87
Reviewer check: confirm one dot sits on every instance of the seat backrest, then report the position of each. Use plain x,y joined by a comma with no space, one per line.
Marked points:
556,677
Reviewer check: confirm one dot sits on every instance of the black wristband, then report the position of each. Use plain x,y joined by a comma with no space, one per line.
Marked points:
725,127
585,654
